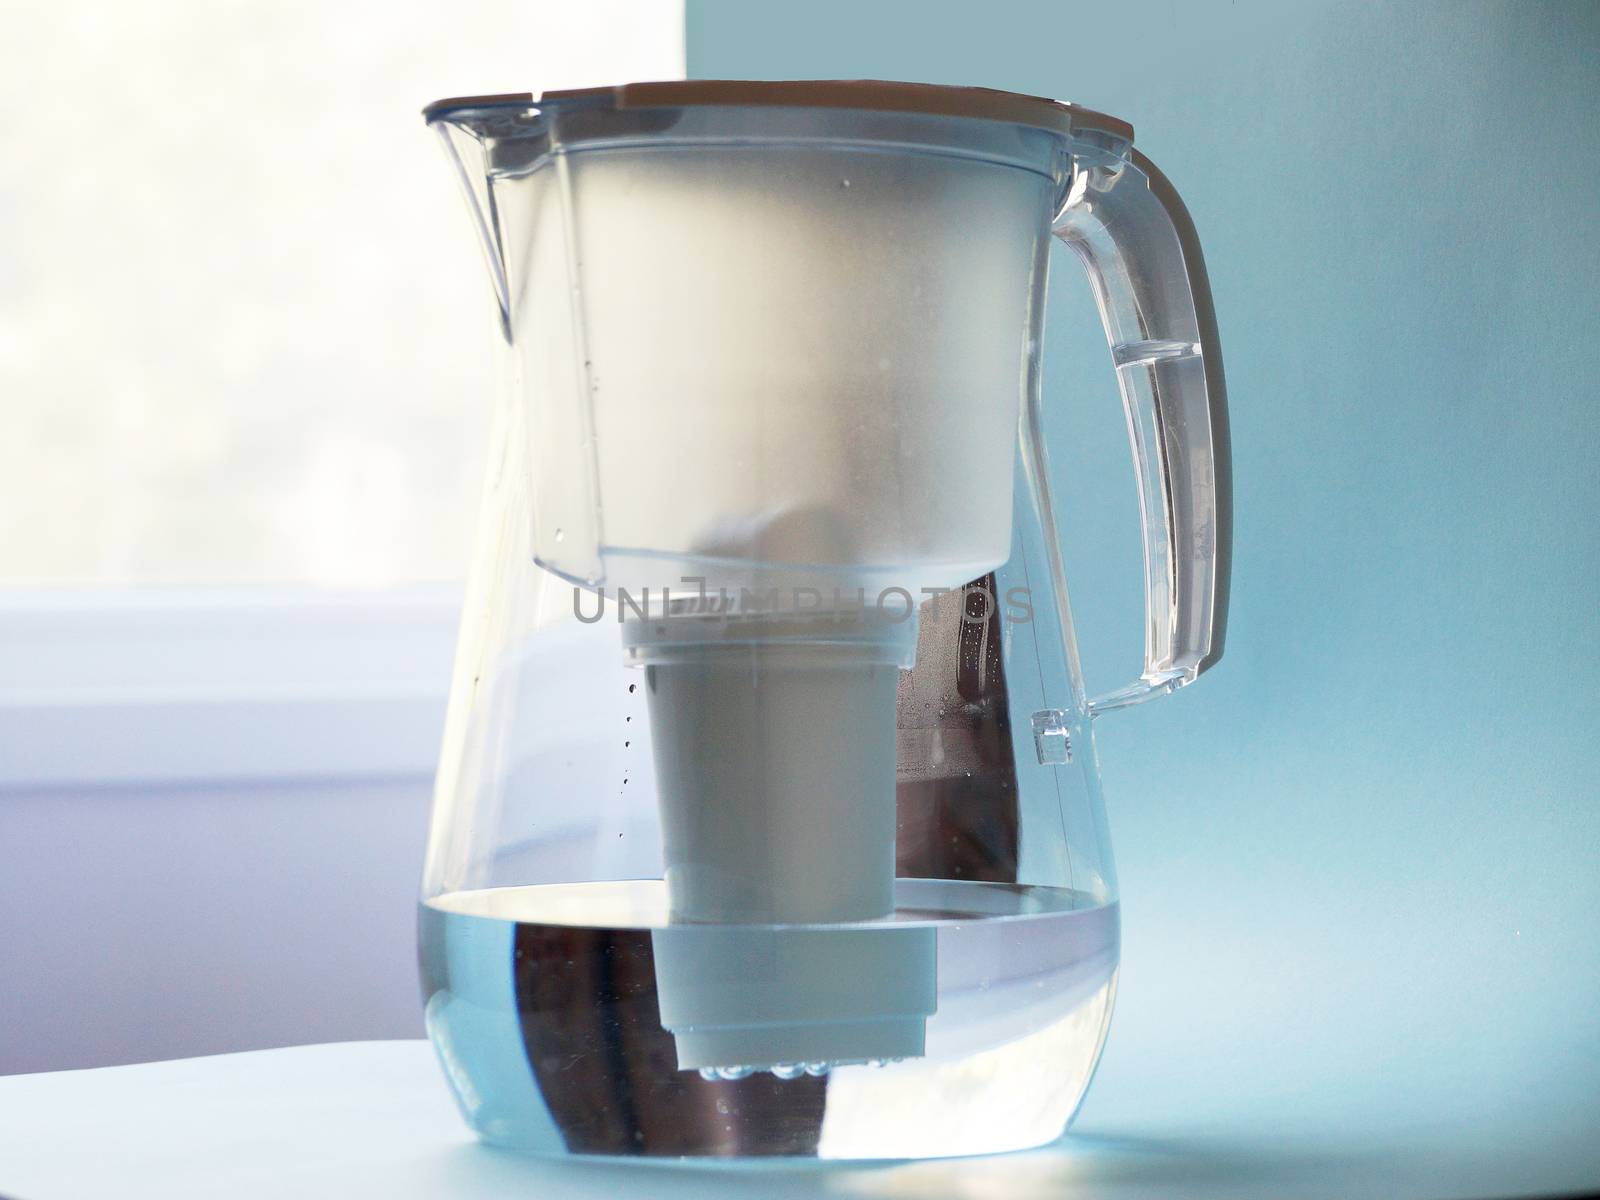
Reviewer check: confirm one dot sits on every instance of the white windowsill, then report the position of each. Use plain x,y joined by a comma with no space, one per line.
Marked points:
107,688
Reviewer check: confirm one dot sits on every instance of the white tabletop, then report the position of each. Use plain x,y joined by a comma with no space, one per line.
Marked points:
373,1119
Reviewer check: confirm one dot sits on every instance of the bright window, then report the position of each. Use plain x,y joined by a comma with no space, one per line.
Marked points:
244,332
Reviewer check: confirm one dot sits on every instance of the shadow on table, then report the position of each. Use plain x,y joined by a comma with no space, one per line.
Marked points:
1076,1166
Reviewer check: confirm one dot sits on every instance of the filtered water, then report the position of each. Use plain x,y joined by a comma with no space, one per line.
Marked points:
545,1006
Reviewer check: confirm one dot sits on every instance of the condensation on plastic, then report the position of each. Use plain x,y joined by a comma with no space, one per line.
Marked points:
759,333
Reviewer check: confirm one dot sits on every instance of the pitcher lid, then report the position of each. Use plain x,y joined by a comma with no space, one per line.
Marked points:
986,104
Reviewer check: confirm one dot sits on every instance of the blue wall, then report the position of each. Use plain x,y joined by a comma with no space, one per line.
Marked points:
1369,843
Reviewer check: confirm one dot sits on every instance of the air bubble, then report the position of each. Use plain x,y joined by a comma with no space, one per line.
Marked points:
731,1073
788,1070
816,1069
708,1074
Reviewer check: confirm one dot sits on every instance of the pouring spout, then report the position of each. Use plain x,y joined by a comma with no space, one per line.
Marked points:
468,154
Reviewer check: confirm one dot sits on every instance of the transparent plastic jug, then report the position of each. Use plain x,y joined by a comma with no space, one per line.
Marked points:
768,820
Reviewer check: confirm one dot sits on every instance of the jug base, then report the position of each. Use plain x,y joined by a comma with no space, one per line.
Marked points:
550,1031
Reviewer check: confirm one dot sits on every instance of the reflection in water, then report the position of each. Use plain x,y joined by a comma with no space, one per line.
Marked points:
608,1071
956,786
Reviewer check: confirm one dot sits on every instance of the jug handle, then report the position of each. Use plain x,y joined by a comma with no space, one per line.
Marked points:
1137,243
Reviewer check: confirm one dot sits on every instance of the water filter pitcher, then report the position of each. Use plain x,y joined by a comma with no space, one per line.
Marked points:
768,820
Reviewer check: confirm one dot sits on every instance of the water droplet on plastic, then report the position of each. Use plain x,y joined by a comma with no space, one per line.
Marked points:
561,534
844,183
722,1107
632,688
